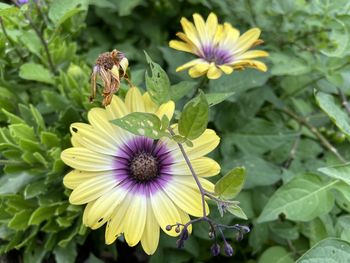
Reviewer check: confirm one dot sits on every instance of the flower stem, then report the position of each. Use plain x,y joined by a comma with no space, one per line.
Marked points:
313,129
200,187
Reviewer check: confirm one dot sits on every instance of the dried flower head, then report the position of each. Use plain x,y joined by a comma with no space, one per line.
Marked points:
111,67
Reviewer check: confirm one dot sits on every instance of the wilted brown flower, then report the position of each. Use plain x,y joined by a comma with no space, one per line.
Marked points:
111,67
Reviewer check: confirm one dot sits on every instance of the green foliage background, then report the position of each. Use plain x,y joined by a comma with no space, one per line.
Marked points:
287,126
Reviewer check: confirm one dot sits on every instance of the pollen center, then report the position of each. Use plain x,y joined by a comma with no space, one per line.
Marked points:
144,167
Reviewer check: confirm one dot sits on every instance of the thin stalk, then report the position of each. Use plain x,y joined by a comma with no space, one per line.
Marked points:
188,162
313,129
42,40
344,101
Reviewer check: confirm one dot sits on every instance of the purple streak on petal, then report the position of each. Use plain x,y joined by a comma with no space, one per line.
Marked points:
133,147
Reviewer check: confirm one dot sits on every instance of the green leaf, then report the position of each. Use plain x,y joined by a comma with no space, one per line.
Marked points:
258,171
335,113
182,89
288,64
158,84
259,136
30,40
194,117
302,199
34,189
41,214
239,82
231,184
8,10
20,220
62,10
36,72
237,211
216,98
125,7
66,254
326,251
340,172
276,254
49,139
143,124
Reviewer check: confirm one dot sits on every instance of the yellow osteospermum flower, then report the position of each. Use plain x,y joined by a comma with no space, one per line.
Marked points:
220,47
135,184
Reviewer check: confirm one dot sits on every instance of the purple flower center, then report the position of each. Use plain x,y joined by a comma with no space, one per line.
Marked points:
143,162
216,55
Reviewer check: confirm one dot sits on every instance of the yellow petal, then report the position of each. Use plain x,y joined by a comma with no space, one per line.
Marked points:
179,45
199,70
252,54
124,63
103,207
190,31
75,142
195,49
86,212
190,64
203,145
86,160
76,177
211,25
116,109
92,139
203,166
99,120
93,188
134,101
150,236
135,219
189,181
247,40
165,211
230,36
201,28
226,69
166,109
250,63
150,106
187,199
115,225
219,35
213,72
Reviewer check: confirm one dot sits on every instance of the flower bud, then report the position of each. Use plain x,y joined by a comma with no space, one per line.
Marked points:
215,249
245,229
168,227
177,229
228,249
239,236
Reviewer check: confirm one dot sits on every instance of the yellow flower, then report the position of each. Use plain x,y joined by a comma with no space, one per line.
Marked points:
135,184
220,48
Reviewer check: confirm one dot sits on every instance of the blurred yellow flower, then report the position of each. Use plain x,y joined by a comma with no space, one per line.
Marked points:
135,184
220,48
